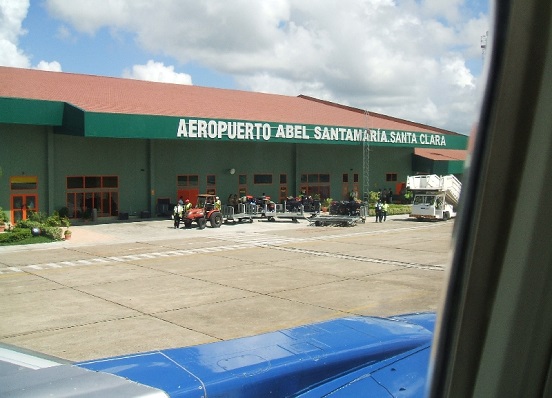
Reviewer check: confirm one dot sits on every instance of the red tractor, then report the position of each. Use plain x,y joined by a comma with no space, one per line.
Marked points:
205,209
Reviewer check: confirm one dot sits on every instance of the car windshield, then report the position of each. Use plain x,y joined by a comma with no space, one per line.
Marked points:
424,200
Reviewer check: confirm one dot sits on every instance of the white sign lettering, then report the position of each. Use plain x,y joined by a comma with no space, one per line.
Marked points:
256,131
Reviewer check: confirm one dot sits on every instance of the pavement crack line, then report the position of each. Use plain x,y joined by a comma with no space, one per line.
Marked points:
139,312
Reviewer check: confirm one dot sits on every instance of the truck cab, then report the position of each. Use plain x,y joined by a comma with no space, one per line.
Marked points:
432,206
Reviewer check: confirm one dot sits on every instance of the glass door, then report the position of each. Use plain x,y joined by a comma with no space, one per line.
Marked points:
23,197
22,205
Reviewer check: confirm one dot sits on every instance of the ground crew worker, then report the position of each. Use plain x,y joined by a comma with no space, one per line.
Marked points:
378,211
177,215
217,203
384,209
187,206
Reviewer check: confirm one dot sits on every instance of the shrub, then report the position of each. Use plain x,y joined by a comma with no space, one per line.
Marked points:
392,210
63,212
374,196
399,209
27,224
3,217
52,232
50,226
15,236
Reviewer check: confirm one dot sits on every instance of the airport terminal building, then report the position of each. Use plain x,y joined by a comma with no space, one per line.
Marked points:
128,146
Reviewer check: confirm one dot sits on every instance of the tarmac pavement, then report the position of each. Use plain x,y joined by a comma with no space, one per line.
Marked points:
125,287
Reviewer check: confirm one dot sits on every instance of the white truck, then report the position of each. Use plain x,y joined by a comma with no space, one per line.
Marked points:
435,197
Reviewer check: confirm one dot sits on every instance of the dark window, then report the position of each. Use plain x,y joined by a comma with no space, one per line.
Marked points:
262,179
75,182
187,181
313,184
391,177
92,182
110,182
345,177
283,178
22,186
85,193
242,179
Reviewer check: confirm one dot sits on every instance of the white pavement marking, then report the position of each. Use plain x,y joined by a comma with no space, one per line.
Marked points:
438,267
255,239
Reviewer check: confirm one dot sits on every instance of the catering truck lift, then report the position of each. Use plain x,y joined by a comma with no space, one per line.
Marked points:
435,197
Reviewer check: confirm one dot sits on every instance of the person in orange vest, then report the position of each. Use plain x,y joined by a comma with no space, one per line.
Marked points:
187,206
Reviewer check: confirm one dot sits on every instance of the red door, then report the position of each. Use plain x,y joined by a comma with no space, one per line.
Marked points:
188,194
21,205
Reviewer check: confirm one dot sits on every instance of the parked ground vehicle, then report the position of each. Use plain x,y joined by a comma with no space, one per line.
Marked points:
204,210
435,197
344,213
238,213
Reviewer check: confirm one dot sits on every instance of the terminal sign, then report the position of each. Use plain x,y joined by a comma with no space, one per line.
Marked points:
263,131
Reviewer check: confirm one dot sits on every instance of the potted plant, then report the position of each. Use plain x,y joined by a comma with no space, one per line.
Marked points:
3,220
64,221
326,203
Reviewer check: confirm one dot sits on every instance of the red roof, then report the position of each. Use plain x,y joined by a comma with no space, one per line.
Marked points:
128,96
441,154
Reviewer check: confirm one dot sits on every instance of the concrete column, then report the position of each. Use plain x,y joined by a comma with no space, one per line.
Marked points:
50,170
151,180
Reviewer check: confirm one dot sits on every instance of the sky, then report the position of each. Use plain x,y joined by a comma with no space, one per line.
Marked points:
419,60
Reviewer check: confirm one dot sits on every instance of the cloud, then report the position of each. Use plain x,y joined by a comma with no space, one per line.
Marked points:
89,17
405,58
53,66
64,33
157,72
12,14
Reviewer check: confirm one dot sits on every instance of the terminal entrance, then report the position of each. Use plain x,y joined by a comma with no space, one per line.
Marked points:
315,184
22,206
23,197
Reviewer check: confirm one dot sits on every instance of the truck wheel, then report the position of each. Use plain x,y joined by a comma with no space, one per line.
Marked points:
216,220
187,224
201,222
446,215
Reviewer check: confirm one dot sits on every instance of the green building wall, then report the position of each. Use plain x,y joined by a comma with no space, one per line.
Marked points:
148,168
